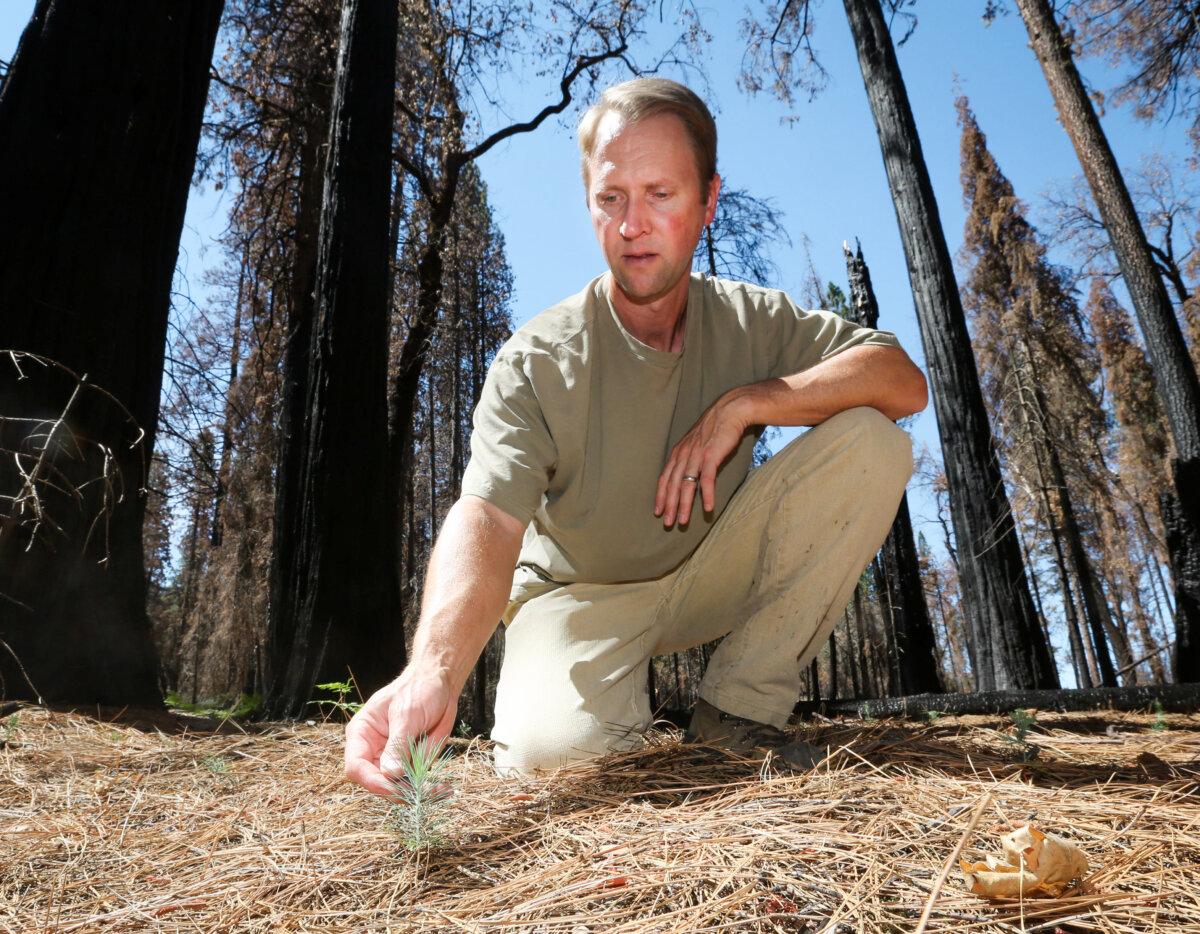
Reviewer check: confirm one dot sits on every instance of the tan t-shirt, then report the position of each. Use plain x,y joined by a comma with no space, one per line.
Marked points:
577,418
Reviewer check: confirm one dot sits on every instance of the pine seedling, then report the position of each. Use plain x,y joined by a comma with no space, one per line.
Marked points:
423,788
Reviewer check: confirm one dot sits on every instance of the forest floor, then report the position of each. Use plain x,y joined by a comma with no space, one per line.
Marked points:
118,823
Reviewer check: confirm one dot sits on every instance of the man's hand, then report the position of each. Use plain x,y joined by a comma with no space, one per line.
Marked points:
699,454
881,377
416,703
466,589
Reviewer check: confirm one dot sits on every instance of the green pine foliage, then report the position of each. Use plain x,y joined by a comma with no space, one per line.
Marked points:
423,791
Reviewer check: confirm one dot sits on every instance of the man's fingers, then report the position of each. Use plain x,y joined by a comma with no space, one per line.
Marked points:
689,484
708,488
364,740
664,495
660,491
372,779
672,501
365,745
446,726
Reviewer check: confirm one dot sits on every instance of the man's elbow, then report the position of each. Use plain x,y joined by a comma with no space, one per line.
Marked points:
910,394
920,391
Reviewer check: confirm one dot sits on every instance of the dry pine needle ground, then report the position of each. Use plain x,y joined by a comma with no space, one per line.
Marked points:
109,823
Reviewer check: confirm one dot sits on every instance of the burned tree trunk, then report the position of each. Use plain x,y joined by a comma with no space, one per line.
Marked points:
343,616
1179,698
1174,374
284,583
100,117
913,661
1010,649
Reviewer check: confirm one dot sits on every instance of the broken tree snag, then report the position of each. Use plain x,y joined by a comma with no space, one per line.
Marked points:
1177,698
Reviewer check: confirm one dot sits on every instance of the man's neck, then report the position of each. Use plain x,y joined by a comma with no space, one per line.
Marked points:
659,323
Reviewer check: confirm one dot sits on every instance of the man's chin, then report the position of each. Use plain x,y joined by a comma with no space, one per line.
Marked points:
644,293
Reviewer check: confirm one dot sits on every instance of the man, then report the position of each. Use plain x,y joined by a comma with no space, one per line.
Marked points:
609,467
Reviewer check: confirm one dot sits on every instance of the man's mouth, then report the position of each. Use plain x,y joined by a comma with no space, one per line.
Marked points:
639,257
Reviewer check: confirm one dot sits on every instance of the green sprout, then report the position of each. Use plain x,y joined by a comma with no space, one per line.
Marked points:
218,770
1023,720
933,716
342,690
1160,717
423,788
464,730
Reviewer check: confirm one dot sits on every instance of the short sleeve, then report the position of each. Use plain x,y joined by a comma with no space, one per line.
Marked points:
512,452
805,338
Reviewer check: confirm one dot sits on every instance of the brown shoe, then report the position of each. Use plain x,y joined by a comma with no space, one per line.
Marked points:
713,727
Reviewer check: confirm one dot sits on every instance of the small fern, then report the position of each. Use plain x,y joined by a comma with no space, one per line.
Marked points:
342,689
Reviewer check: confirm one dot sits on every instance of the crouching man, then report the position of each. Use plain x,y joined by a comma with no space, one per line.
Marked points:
607,514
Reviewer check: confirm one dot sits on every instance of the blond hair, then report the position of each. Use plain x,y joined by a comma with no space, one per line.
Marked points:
648,97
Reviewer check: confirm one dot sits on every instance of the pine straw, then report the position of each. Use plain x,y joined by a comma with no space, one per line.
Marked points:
106,826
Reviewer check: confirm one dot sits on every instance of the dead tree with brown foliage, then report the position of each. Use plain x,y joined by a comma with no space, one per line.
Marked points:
1174,373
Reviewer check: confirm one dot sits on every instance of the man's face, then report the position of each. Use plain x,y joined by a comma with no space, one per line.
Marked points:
646,203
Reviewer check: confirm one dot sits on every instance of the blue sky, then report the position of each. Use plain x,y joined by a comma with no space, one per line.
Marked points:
824,170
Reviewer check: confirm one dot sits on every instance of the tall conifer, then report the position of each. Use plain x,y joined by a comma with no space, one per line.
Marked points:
1039,368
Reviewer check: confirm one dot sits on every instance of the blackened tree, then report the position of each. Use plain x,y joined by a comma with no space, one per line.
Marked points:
100,117
1011,651
912,661
340,611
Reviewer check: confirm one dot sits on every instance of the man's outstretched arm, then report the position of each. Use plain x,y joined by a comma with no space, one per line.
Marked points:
466,591
881,377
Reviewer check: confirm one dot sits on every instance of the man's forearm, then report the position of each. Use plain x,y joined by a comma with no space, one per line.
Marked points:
881,377
466,588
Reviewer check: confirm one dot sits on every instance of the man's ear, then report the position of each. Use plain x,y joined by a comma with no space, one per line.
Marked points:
710,202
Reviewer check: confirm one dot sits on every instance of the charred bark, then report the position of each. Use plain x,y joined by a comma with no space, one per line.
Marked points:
100,117
285,583
1010,649
914,656
1178,698
344,618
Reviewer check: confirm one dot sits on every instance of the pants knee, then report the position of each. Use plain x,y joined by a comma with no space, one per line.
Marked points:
537,746
878,441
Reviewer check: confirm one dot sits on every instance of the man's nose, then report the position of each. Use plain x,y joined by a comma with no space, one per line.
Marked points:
636,220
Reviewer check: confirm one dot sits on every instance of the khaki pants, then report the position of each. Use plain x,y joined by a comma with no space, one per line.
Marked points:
773,575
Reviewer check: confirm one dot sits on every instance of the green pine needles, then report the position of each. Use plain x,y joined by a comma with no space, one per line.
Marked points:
424,790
